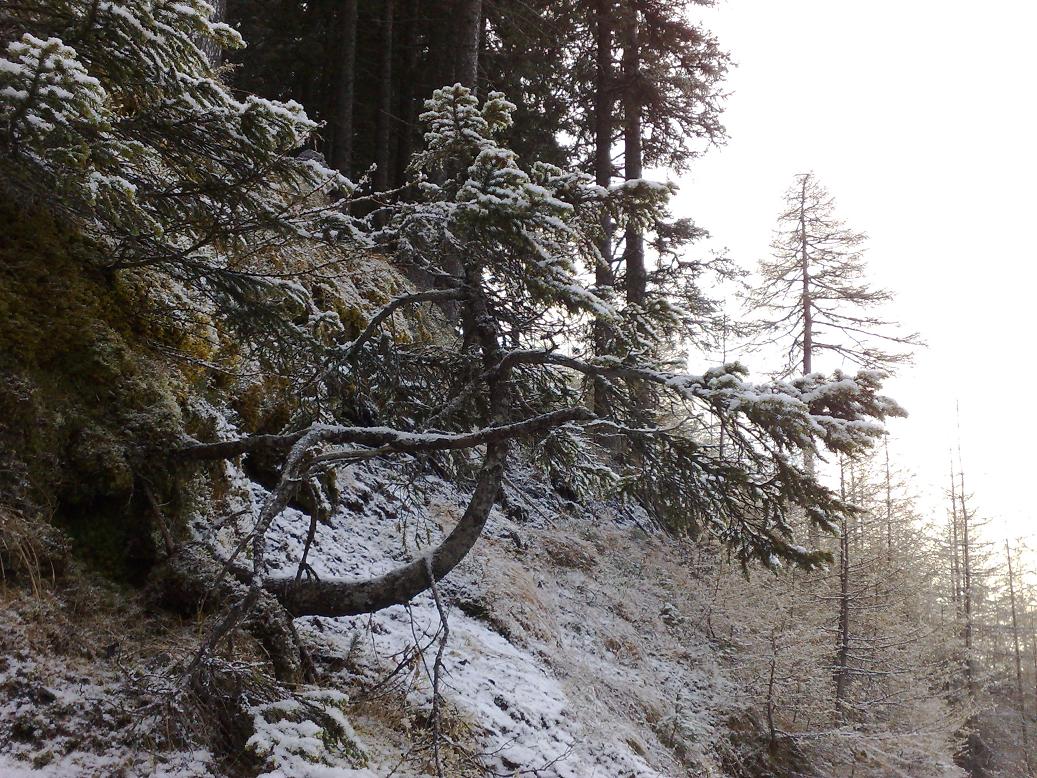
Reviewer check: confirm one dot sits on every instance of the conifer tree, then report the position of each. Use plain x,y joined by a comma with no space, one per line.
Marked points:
131,135
523,240
813,296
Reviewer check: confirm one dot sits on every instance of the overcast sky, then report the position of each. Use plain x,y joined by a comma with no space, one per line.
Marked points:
919,117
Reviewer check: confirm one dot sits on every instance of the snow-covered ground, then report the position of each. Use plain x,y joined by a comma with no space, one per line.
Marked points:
574,650
571,646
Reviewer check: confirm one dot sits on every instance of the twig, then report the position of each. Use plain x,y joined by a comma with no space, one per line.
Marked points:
437,672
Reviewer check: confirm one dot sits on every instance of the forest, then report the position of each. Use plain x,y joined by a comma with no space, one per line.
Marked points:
369,406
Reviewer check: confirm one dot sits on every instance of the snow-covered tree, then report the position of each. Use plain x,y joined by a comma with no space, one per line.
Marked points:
524,238
111,114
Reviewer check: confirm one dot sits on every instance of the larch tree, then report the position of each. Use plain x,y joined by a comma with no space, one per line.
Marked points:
813,296
1017,653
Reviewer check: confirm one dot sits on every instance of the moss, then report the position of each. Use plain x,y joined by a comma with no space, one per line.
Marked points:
84,404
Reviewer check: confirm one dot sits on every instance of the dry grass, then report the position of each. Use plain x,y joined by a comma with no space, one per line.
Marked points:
31,550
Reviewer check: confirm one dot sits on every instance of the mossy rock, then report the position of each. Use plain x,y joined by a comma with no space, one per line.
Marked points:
84,402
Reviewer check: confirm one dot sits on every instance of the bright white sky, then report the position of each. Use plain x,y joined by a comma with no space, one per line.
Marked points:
919,116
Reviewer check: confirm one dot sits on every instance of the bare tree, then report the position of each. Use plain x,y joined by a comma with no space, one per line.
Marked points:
1018,658
813,296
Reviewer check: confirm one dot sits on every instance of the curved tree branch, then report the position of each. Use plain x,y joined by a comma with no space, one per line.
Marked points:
336,597
431,295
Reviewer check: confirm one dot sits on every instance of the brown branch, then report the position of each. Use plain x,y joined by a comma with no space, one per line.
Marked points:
393,441
336,597
430,296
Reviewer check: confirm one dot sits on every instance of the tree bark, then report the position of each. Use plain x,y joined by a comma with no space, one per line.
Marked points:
343,149
970,675
808,320
955,550
350,598
633,169
1033,651
634,253
213,52
603,129
383,132
407,90
842,670
192,581
346,598
469,27
809,465
389,440
889,505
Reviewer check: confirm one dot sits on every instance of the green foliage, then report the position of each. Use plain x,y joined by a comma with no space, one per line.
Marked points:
112,115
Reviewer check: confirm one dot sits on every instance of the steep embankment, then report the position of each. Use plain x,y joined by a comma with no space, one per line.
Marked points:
581,641
574,644
573,650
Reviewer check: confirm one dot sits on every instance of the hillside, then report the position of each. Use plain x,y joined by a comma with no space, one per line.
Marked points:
402,438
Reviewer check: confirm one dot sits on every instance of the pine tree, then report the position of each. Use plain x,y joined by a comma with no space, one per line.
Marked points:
523,242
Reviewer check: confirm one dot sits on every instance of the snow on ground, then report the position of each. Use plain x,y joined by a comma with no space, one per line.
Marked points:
69,713
570,650
574,651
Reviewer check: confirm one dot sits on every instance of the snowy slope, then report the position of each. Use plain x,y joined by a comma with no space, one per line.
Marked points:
571,648
574,650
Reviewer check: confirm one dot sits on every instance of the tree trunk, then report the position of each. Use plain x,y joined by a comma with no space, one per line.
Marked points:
350,598
889,506
469,21
955,549
634,253
970,676
808,314
213,52
1033,650
842,669
192,581
603,129
343,149
808,334
383,133
634,250
407,90
1018,658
